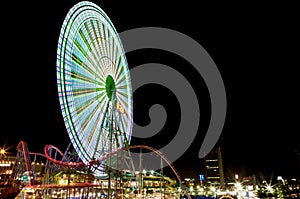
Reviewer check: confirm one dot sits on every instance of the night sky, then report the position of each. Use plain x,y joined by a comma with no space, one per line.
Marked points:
255,47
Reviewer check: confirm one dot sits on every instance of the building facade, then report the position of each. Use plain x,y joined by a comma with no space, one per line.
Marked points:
214,168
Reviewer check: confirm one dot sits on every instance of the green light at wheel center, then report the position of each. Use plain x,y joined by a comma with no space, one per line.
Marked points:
110,86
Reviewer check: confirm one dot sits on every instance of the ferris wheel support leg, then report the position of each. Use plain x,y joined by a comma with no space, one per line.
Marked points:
101,126
109,184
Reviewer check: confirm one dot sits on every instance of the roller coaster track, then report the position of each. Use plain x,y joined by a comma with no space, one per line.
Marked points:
22,161
48,148
40,154
24,153
160,154
22,146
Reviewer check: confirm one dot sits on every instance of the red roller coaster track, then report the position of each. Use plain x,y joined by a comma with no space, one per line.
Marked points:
47,149
22,146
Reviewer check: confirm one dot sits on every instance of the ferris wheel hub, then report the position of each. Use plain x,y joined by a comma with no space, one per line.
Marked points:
110,86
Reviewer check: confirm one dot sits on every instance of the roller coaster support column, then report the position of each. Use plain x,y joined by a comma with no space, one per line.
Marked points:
162,177
140,174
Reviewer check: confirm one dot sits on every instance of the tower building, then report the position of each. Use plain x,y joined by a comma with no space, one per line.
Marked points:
214,168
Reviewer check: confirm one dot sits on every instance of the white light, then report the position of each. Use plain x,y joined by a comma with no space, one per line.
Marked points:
4,165
238,185
269,188
236,176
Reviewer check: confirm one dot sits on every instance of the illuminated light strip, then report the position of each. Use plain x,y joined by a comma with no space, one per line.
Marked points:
5,165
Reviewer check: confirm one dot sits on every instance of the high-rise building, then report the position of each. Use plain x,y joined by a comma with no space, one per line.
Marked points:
214,168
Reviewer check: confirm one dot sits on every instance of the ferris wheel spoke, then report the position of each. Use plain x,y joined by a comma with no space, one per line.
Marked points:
89,68
83,45
84,66
94,47
81,77
84,106
97,44
95,29
120,69
117,67
102,52
123,95
84,48
112,53
103,39
97,110
88,115
100,110
108,43
122,78
106,39
121,87
88,50
101,125
94,129
80,91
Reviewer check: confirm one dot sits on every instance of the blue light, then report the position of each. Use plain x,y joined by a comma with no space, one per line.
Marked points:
201,177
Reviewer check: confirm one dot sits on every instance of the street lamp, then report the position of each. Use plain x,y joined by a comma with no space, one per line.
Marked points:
2,152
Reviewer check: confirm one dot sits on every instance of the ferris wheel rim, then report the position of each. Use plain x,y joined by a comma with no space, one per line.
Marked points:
76,78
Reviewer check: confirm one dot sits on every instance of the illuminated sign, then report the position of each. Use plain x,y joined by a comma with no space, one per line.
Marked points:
201,177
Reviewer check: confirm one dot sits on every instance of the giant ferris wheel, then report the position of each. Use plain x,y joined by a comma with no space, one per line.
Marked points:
94,85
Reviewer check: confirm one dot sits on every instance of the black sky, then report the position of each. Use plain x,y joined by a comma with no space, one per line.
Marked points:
256,49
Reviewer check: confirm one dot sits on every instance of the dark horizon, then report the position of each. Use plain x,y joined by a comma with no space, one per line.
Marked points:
253,48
